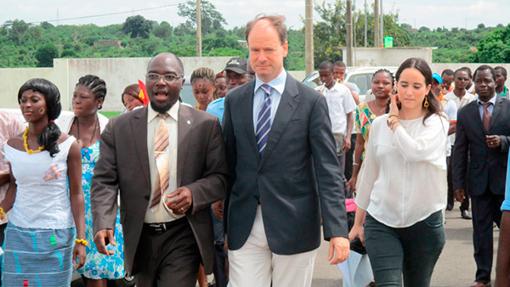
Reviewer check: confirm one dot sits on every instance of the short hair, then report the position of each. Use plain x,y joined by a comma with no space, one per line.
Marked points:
486,67
276,21
203,73
447,72
340,64
326,65
463,69
501,69
179,61
96,85
468,71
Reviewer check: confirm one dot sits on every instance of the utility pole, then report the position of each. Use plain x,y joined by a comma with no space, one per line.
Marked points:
199,28
309,65
348,38
376,24
366,25
381,27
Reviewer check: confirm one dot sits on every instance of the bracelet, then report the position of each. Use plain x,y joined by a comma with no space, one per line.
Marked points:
389,117
83,242
2,212
355,163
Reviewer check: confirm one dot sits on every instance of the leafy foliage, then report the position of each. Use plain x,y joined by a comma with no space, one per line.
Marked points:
27,45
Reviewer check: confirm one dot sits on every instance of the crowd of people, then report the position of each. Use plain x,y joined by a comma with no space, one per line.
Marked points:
242,184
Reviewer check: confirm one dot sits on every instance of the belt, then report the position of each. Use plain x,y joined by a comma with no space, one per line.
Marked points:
162,227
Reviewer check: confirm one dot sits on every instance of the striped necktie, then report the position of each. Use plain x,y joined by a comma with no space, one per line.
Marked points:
264,119
161,143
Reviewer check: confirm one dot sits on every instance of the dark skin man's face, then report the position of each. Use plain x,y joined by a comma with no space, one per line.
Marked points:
484,85
500,79
326,76
164,82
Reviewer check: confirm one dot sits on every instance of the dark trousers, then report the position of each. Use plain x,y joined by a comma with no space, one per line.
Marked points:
411,252
349,157
486,210
464,205
220,258
168,258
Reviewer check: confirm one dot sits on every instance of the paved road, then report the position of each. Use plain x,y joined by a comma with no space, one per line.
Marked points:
455,268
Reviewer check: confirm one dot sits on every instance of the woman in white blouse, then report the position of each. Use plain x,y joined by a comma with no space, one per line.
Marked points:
401,190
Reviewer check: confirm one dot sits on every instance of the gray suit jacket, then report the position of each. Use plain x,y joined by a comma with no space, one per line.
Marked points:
296,180
476,167
123,166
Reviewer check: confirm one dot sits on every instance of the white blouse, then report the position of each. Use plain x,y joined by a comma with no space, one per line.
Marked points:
42,196
403,177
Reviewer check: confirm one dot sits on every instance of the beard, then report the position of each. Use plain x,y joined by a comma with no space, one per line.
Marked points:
161,108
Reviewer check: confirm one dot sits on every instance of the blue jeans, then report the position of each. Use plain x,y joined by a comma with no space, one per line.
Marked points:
409,252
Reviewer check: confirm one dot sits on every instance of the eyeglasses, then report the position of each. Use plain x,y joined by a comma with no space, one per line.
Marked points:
154,77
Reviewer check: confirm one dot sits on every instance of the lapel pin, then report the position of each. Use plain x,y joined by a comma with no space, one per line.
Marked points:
188,122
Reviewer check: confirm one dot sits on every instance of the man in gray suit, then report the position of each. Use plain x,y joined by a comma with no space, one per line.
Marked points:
281,155
167,161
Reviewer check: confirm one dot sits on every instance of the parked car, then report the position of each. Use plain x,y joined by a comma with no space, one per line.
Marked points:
360,76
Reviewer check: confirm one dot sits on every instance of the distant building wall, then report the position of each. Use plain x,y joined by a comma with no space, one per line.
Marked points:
386,56
120,72
117,72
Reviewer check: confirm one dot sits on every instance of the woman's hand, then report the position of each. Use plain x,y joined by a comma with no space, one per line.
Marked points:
351,184
78,256
357,231
394,112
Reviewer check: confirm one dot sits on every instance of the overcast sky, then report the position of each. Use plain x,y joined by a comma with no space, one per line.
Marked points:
431,13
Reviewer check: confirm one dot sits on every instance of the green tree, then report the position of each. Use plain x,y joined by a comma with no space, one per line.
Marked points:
18,30
45,55
212,20
329,32
137,26
494,48
163,30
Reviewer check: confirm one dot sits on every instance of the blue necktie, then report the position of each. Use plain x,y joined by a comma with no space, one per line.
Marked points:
264,120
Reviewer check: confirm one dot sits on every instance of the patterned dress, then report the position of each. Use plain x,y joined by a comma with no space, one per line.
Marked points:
364,119
97,265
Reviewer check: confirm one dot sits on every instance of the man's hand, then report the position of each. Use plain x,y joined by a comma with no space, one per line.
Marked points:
351,184
347,143
339,248
102,238
493,141
180,200
217,208
459,195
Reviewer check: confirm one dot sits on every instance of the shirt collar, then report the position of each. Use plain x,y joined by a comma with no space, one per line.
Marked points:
173,112
492,100
277,83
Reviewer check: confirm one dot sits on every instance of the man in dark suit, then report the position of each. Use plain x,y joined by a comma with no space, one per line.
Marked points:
480,163
281,153
167,161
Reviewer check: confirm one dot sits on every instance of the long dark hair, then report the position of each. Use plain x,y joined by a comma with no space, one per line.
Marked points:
422,66
49,136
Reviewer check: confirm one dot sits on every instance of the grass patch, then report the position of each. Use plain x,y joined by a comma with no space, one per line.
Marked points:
110,114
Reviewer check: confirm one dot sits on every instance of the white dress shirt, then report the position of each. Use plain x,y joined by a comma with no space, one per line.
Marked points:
340,103
160,212
277,87
466,99
403,176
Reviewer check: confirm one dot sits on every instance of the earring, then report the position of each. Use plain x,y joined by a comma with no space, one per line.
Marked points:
99,107
426,103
